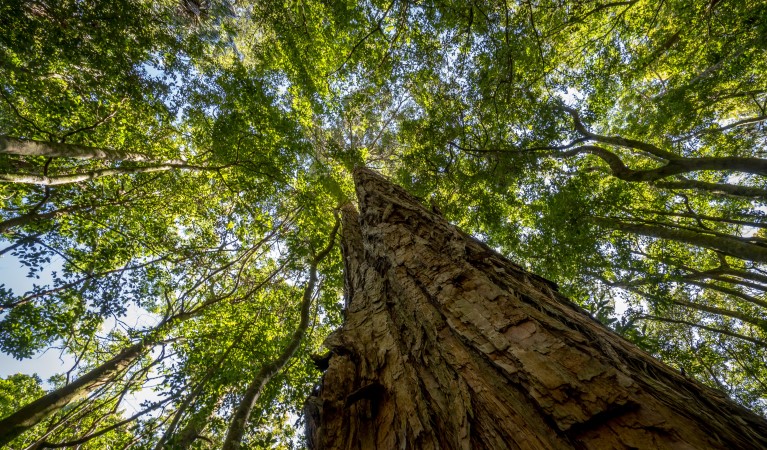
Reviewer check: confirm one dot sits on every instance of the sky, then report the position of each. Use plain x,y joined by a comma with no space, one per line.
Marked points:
45,364
51,362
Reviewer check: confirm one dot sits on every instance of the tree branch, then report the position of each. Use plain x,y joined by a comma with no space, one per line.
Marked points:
614,140
58,180
30,147
704,327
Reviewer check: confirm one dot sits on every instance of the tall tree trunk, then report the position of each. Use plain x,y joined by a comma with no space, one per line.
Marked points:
446,344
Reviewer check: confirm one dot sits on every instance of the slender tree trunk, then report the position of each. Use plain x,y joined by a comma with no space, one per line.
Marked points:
241,415
730,280
250,397
28,147
714,188
93,435
58,180
446,344
189,400
739,315
722,273
706,327
26,219
758,278
704,217
31,414
194,428
675,166
743,317
692,279
729,246
730,291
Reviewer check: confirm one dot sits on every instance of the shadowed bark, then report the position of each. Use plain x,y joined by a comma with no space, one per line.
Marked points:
447,344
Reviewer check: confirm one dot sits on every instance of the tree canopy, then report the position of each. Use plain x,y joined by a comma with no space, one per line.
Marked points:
186,160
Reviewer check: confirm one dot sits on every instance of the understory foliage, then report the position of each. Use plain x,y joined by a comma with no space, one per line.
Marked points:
171,172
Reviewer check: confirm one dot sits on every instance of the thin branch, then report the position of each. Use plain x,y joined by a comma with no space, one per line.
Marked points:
378,28
22,117
615,140
739,123
94,125
704,327
106,430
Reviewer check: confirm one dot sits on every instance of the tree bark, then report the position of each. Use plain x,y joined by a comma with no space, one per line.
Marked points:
26,219
676,166
714,188
188,401
194,428
446,344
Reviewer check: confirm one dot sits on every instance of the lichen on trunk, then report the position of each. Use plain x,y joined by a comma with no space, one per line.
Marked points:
447,344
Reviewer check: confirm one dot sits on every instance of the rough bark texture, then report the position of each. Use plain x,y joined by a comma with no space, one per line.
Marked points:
448,345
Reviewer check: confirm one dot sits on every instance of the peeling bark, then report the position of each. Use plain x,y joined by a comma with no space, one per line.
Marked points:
448,345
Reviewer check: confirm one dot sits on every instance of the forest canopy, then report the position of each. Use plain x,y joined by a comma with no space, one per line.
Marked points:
186,161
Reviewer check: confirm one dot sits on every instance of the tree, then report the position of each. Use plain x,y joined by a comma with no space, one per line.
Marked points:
155,155
447,344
